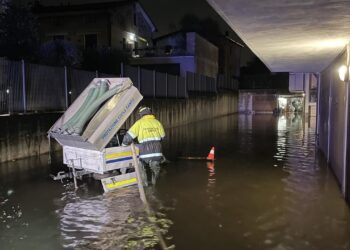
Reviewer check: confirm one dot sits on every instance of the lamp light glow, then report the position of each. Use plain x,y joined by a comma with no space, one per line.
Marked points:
282,102
332,43
342,72
132,37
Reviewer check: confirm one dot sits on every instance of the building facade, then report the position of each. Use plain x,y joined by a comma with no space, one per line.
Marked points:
180,52
122,25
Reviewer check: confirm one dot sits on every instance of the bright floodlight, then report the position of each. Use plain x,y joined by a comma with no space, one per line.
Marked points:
282,102
131,37
342,72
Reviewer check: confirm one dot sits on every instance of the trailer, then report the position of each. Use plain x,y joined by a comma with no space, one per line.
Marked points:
90,134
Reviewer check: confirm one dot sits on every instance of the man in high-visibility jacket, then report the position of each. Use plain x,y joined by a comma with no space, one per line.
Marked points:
149,133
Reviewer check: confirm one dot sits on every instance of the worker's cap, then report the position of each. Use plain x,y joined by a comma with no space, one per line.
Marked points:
143,110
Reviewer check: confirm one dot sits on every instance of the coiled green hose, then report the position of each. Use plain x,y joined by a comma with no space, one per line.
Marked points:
92,108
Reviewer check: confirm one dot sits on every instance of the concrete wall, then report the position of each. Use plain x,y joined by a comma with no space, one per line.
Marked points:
23,136
296,82
259,103
207,55
229,58
305,83
331,119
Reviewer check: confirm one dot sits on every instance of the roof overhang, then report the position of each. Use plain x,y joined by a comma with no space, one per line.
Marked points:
290,35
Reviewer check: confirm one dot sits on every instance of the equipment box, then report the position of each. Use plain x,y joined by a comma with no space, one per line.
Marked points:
90,124
98,161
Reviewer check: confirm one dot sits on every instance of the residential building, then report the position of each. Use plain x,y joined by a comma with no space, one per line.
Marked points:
122,25
180,52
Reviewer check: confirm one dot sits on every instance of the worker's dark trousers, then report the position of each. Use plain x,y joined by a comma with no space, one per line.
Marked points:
154,167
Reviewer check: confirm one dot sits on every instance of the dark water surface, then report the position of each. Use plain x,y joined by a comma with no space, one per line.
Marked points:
268,189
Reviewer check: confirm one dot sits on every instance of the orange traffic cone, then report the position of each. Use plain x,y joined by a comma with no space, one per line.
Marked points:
211,155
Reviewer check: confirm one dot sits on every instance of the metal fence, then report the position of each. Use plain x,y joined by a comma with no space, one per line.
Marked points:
11,87
26,87
201,83
227,84
156,84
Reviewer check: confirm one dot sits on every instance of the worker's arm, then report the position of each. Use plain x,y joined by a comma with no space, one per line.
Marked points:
127,140
131,134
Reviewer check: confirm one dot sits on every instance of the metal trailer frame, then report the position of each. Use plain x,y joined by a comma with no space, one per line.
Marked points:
87,153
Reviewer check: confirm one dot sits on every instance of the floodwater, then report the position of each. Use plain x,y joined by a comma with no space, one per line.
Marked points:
268,189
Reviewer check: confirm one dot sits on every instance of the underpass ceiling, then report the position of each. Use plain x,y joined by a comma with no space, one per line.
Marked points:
290,35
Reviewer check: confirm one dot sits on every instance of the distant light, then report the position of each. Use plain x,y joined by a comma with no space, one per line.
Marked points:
7,91
132,37
303,94
282,123
70,92
282,101
342,72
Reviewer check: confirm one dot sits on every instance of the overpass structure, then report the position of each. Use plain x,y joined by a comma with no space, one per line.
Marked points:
304,36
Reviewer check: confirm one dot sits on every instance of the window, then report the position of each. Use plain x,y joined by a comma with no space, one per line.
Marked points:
90,41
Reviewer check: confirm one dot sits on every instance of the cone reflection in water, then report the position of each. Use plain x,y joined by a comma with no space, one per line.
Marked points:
211,168
211,155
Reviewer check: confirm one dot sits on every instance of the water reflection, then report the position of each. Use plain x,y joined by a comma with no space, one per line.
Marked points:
116,220
38,213
211,184
95,222
269,189
304,206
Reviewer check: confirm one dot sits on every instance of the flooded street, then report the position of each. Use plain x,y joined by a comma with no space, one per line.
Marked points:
268,189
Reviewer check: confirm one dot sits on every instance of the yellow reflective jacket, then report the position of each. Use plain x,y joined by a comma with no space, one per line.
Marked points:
148,128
